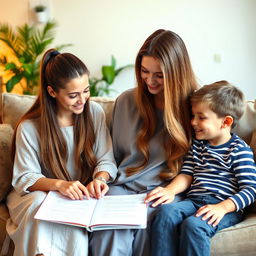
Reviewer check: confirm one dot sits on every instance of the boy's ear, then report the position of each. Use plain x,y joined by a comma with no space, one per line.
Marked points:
228,121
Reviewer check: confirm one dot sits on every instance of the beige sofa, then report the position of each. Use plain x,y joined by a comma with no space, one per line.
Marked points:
239,240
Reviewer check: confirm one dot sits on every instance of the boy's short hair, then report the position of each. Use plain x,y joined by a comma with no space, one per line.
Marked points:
223,98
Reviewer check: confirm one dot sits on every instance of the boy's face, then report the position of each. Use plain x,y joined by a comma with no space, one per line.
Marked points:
208,126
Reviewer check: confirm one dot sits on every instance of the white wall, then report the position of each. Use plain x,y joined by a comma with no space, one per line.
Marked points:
99,28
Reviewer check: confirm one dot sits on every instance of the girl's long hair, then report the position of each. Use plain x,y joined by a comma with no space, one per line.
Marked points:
57,70
179,83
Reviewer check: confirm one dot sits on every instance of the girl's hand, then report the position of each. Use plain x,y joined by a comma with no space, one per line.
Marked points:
97,188
160,196
72,189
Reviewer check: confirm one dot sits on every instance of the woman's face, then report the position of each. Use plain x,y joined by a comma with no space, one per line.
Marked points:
72,98
152,74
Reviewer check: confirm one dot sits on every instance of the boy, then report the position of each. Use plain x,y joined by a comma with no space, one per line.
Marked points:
219,172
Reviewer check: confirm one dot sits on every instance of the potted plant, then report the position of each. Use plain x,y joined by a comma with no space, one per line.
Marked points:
101,86
27,43
41,13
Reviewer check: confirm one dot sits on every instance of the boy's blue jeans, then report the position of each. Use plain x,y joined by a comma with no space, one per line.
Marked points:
176,231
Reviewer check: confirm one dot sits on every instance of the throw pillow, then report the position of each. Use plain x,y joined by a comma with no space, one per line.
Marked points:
107,105
6,133
252,207
247,123
14,106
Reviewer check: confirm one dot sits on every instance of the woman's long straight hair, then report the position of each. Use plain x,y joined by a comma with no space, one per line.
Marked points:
179,83
57,69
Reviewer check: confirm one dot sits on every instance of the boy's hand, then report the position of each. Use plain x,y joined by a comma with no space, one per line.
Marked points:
215,212
160,195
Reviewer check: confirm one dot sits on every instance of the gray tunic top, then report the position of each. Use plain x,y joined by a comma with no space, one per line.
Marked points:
125,127
27,164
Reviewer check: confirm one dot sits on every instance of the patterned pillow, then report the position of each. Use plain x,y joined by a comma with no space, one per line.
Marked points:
6,133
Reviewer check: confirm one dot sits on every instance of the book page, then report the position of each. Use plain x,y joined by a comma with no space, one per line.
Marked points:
58,208
124,210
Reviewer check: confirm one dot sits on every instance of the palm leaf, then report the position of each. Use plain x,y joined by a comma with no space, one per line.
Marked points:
27,44
61,46
8,36
48,30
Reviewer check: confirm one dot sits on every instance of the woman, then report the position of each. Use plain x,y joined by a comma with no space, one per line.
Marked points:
151,132
61,143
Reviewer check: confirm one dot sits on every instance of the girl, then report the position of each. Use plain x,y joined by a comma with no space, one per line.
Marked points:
61,143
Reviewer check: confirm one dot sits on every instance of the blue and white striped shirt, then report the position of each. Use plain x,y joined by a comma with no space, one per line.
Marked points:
226,171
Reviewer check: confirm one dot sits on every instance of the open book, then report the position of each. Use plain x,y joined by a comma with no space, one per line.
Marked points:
109,212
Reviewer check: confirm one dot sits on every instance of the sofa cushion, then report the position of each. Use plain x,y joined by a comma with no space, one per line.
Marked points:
247,123
14,106
237,240
252,208
107,104
6,133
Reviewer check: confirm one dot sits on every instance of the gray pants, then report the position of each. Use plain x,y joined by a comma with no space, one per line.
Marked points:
121,242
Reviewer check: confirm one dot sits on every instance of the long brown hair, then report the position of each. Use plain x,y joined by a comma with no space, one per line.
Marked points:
179,82
57,69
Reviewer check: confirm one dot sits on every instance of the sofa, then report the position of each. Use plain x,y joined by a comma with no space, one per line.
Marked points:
238,240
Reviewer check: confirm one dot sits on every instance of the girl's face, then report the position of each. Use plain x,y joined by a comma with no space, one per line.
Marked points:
72,98
152,75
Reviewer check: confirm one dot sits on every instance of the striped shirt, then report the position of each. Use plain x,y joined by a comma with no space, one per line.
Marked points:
225,171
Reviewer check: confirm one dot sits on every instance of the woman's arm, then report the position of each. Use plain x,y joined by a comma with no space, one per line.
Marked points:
98,186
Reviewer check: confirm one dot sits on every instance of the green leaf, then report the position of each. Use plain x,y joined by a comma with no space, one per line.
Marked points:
28,43
117,71
28,68
12,82
113,61
108,73
61,46
10,66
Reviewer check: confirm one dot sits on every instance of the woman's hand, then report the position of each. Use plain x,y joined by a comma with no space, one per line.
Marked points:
167,194
72,189
97,188
160,196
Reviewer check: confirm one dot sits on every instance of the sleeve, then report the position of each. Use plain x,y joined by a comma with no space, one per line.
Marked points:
103,144
26,169
188,163
115,126
245,173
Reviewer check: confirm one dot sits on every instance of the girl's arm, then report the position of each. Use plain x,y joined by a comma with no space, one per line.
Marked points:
72,189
